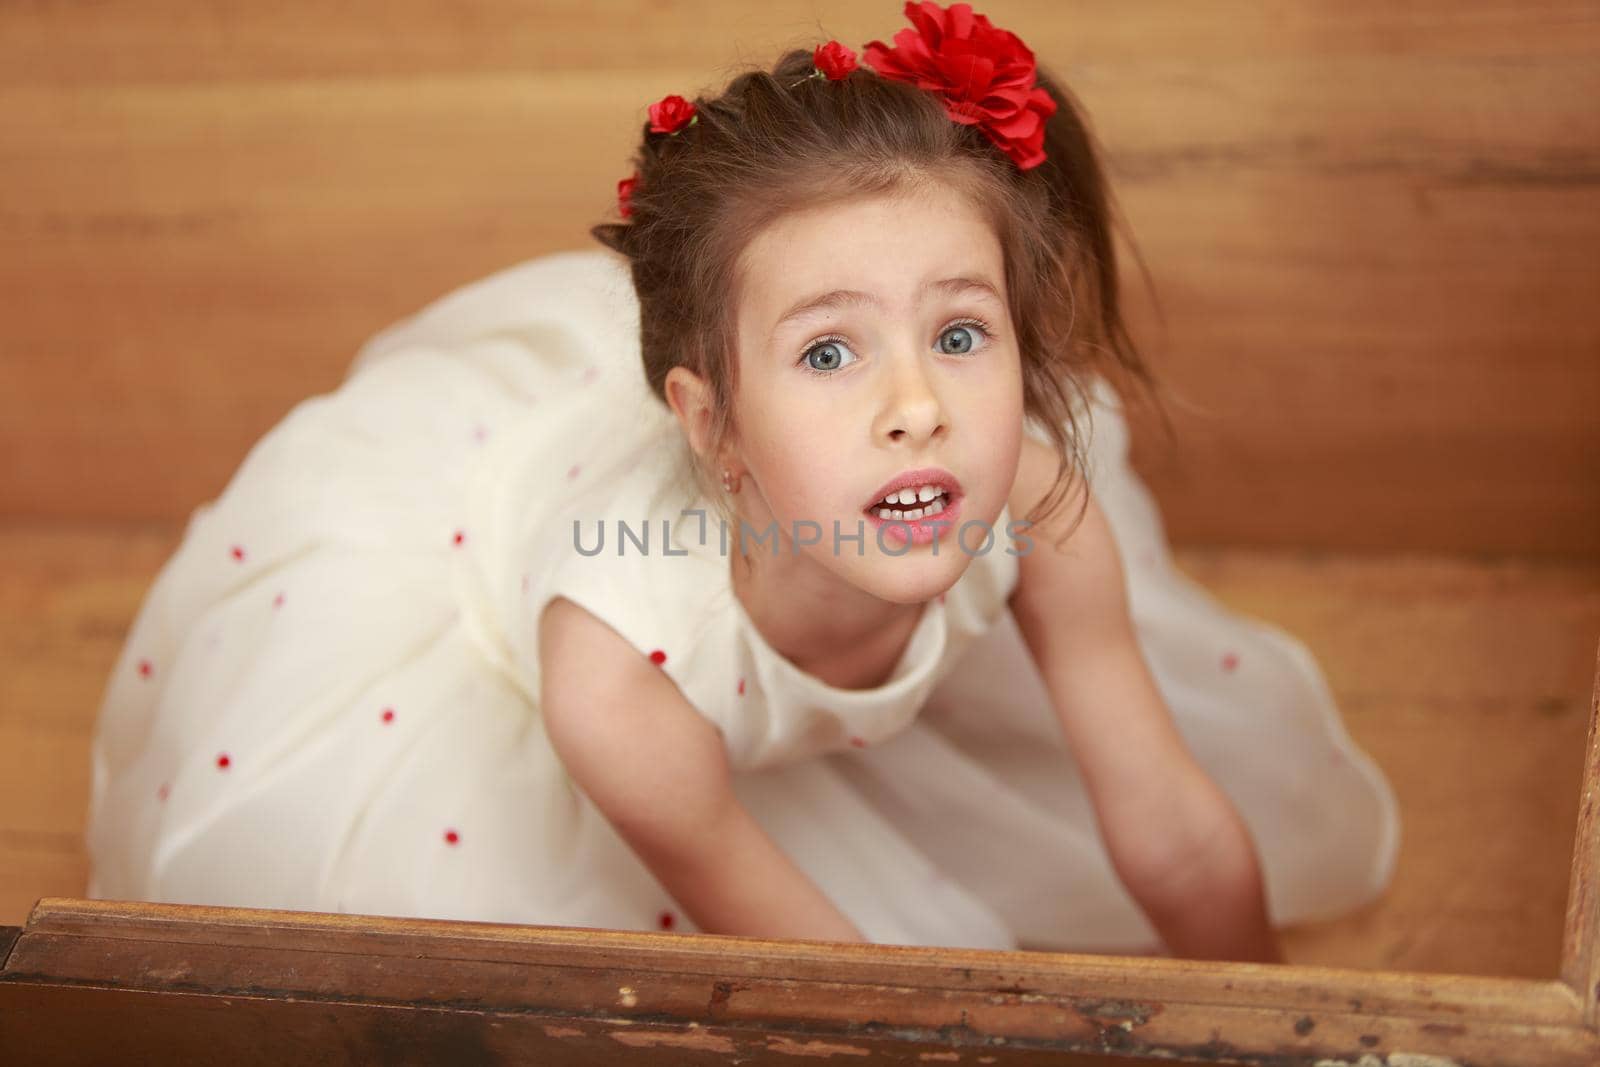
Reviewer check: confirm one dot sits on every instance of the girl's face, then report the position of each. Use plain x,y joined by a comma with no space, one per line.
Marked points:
875,340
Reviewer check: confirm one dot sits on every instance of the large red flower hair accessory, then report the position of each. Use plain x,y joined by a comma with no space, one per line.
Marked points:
985,76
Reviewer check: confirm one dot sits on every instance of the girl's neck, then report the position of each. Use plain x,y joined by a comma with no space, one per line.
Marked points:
847,639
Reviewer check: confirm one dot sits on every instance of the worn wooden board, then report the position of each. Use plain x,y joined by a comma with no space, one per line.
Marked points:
246,986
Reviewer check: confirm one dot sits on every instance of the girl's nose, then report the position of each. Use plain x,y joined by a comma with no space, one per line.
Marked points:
911,408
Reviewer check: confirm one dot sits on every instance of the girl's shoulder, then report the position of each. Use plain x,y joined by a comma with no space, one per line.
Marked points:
627,556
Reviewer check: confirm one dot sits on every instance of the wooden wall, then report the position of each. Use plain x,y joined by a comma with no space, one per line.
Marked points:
1373,230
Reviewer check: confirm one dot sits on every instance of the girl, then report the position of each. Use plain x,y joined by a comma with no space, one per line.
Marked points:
845,619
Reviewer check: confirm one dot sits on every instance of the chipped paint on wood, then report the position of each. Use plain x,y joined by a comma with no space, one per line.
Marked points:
947,1057
1393,1059
562,1031
700,1040
1133,1010
627,997
791,1047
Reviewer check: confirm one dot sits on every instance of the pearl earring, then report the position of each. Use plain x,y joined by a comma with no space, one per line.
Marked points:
729,483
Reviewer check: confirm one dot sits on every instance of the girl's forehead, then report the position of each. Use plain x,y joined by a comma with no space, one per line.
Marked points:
886,246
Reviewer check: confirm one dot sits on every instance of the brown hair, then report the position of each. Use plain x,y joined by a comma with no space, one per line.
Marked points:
777,141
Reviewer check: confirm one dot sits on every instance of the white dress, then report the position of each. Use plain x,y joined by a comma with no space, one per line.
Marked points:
329,698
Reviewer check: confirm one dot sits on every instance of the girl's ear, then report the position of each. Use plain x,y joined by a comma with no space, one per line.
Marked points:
690,399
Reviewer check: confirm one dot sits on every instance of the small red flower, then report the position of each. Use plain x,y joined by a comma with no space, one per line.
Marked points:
666,920
986,76
451,837
625,190
658,657
834,60
671,114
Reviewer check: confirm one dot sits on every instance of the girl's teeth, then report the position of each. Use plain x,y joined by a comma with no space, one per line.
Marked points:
935,506
915,495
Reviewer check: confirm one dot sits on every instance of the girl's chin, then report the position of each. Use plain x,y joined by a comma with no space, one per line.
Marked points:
910,579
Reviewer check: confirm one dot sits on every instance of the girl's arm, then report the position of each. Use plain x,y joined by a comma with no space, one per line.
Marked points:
658,771
1173,836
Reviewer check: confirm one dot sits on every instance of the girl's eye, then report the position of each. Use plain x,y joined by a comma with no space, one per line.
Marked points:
957,338
828,353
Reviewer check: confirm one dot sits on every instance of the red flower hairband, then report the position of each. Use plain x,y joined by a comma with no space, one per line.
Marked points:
985,76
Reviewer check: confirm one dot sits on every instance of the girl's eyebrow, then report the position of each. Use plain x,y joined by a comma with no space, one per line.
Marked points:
837,298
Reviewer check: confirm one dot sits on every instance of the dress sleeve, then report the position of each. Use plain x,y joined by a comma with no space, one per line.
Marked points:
620,555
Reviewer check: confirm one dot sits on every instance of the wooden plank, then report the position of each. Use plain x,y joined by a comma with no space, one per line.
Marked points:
1580,943
1507,632
184,40
162,974
1381,314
